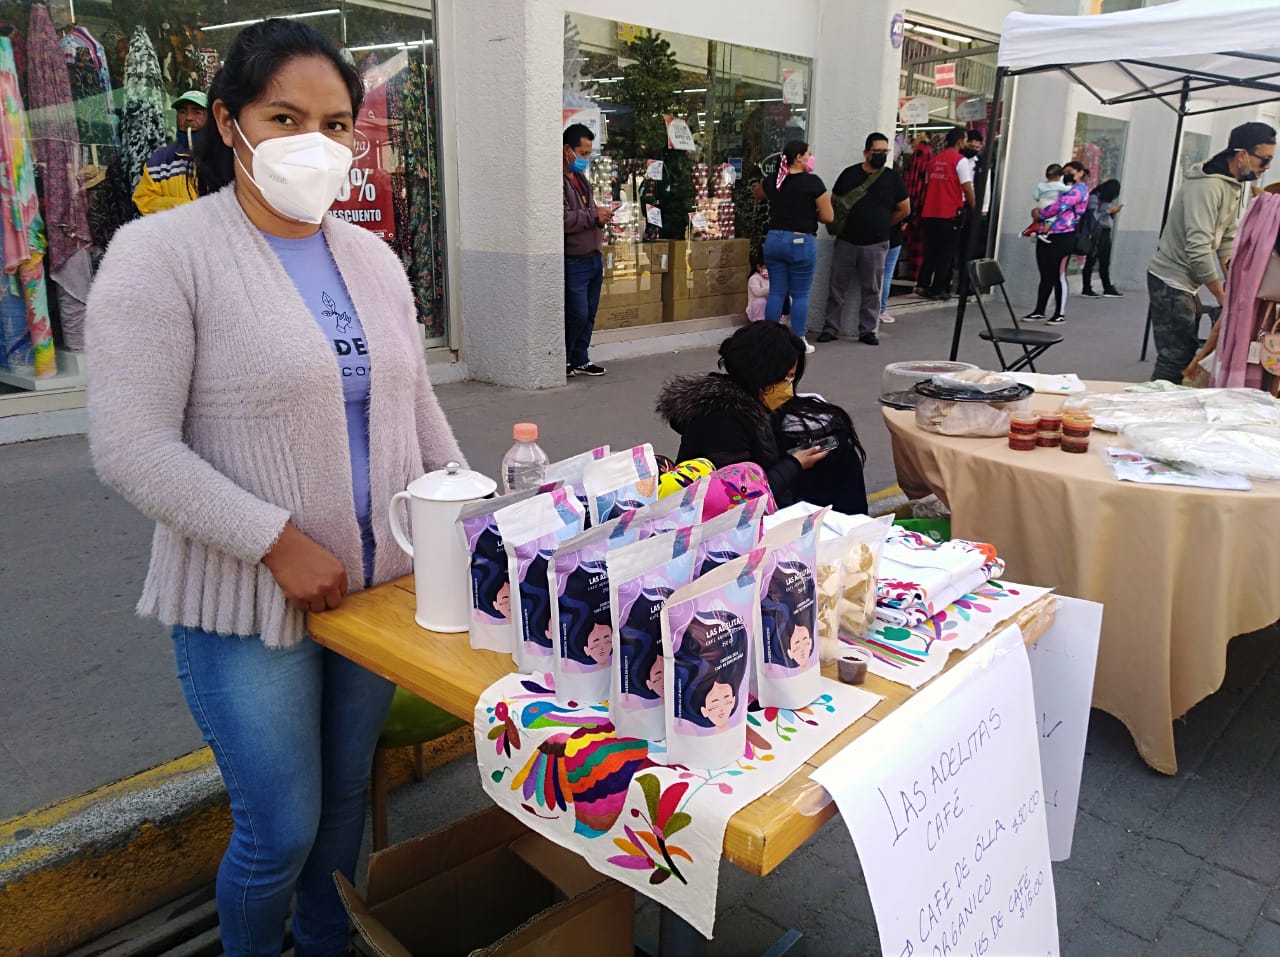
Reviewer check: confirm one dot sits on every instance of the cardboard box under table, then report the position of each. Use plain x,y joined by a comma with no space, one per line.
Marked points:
487,885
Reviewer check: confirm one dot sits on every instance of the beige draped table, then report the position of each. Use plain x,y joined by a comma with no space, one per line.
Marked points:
1180,570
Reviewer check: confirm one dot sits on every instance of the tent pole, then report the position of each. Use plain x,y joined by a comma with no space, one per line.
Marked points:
975,219
1168,190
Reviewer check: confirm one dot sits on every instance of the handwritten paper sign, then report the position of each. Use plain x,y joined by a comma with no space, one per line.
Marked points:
792,86
653,215
679,136
654,170
914,112
698,221
1062,665
945,804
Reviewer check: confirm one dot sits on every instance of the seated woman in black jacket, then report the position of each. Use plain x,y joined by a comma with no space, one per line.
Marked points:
749,413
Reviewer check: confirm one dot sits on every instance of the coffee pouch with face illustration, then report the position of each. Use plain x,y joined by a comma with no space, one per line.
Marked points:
788,673
581,621
707,645
531,530
641,577
620,483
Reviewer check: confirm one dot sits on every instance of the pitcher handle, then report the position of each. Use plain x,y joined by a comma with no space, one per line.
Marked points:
396,529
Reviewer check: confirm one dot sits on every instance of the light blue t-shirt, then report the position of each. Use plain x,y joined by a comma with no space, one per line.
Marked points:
311,267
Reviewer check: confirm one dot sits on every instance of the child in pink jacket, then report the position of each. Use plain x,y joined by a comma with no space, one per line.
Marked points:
757,288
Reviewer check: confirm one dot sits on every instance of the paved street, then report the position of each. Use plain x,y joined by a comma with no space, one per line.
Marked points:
1181,865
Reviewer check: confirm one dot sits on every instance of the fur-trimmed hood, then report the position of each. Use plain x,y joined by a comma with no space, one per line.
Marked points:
687,398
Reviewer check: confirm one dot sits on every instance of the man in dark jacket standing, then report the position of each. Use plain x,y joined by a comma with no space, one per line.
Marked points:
863,242
583,263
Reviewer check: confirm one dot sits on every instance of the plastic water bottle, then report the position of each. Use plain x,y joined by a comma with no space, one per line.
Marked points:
525,464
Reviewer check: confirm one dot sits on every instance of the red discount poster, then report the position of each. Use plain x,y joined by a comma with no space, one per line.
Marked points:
366,199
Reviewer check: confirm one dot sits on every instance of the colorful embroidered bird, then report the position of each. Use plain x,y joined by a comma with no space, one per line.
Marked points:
545,714
590,768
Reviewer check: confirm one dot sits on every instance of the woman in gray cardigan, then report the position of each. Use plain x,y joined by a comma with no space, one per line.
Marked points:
258,388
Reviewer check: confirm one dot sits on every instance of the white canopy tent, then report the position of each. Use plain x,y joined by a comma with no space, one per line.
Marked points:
1194,56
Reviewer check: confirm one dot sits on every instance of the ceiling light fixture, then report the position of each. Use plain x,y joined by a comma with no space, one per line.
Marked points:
249,23
958,37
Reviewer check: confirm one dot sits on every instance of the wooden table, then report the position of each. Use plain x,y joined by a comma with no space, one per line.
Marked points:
375,628
1180,570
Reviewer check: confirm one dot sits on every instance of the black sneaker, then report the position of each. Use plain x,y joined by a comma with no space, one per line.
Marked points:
1090,294
1112,294
569,371
1057,320
828,337
1033,317
869,339
590,369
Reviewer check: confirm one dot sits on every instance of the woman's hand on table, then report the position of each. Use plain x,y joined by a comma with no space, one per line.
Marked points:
311,577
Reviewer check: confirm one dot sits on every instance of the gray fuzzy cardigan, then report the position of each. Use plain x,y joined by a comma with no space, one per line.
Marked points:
216,408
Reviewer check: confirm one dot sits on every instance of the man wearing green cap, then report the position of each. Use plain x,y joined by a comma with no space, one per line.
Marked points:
168,179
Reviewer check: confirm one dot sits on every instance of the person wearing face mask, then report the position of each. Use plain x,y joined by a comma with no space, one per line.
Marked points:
584,224
734,416
798,201
168,179
873,199
233,344
1063,215
947,197
1197,239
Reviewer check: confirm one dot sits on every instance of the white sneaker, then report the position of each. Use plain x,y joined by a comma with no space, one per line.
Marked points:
808,348
887,319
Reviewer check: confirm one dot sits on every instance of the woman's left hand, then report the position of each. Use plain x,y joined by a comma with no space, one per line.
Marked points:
809,457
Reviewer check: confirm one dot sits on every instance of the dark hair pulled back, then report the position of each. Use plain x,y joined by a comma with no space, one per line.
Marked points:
255,56
794,150
761,354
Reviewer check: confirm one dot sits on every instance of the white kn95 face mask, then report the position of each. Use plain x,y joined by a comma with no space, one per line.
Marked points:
299,175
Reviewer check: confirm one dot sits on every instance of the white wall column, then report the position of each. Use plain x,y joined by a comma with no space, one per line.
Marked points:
500,81
855,92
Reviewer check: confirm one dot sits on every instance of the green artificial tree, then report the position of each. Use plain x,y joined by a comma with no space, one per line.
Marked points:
648,86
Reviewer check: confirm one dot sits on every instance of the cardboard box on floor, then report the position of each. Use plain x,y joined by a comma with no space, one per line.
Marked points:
706,307
630,291
701,283
621,317
487,886
694,255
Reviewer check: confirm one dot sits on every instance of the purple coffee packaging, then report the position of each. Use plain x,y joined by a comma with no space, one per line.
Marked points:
641,578
788,673
729,535
531,530
580,615
708,640
569,472
681,509
621,482
489,571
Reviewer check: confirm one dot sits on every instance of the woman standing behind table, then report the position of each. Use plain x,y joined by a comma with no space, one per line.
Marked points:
259,389
1103,208
1051,257
798,201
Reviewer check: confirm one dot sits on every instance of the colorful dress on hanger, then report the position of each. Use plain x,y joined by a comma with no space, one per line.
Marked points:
142,120
110,201
22,227
422,182
917,181
56,140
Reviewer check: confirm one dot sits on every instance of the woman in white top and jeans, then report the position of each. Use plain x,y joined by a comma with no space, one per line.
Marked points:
259,389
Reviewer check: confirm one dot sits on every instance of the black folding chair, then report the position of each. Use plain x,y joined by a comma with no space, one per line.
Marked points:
985,275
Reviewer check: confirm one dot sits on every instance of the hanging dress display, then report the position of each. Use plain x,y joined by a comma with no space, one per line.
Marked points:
917,180
423,195
22,229
56,141
109,199
142,129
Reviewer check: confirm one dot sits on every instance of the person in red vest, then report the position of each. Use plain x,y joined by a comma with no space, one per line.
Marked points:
949,193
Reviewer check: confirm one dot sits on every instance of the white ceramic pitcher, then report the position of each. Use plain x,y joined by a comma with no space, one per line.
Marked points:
439,560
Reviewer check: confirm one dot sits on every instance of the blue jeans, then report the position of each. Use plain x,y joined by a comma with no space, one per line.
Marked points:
293,732
890,266
791,259
582,281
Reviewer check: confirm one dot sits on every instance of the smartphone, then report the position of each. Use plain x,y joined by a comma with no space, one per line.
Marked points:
827,445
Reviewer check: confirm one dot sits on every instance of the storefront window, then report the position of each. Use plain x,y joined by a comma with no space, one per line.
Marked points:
948,76
1099,146
89,89
740,105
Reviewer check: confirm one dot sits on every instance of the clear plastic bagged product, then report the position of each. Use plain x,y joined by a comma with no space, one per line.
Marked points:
848,562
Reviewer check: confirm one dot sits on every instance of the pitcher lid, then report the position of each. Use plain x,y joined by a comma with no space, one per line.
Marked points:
453,483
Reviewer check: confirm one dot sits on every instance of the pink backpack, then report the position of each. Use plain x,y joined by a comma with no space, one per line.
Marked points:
732,485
